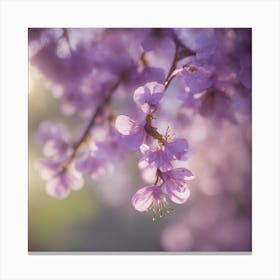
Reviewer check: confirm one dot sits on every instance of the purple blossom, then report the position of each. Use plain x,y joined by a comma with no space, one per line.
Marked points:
90,164
111,54
98,157
48,168
142,75
222,64
150,74
75,100
54,139
176,148
133,133
61,185
48,131
84,96
163,156
157,38
62,70
148,96
112,148
116,62
151,198
60,179
196,79
178,175
175,184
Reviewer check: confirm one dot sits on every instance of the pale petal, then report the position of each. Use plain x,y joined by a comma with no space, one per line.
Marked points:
143,199
48,168
75,179
126,125
148,96
58,187
54,148
133,141
181,174
86,163
177,148
144,148
178,196
141,96
157,91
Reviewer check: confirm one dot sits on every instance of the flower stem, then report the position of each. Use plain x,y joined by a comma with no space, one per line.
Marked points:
179,49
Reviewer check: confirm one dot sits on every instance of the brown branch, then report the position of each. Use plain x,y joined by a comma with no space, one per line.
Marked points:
90,124
181,51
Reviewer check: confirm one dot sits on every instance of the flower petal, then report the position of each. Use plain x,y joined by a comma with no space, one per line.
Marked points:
144,148
148,96
143,199
181,173
177,148
158,158
156,90
48,168
133,141
141,96
75,179
178,195
58,187
126,125
197,81
51,131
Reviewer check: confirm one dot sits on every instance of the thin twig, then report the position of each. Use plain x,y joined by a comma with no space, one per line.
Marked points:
91,123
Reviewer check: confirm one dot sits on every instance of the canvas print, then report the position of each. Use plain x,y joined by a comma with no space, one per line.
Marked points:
140,140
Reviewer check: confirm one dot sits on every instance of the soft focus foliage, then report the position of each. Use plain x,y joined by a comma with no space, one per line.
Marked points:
123,121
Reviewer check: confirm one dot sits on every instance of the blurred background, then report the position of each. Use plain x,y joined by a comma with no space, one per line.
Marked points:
100,216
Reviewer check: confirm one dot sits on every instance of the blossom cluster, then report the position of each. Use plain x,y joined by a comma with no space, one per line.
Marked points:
95,73
169,181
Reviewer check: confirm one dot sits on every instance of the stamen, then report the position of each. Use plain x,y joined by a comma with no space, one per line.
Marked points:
159,208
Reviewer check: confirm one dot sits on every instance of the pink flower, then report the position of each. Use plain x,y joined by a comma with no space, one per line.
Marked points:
151,198
148,96
163,156
93,163
132,132
54,137
61,185
60,181
175,184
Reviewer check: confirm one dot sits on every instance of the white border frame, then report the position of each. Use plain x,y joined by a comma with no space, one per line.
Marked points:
17,16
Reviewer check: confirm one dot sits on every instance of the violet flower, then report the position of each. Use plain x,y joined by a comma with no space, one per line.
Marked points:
61,185
157,38
132,133
148,96
90,162
162,157
60,180
174,184
151,198
54,138
197,79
